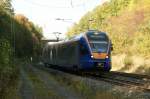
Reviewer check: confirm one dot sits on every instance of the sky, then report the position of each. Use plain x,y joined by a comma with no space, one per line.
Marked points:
45,12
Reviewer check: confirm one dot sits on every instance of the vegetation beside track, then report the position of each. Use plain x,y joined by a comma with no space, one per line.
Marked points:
19,38
39,88
131,64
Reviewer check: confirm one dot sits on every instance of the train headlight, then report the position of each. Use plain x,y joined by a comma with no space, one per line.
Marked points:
91,56
107,57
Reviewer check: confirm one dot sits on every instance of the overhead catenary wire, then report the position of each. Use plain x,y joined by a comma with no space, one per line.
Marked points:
71,5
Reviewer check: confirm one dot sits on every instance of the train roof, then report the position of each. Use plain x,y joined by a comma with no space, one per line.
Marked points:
95,31
87,32
77,37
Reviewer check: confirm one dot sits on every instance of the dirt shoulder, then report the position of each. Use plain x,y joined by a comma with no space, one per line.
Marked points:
38,84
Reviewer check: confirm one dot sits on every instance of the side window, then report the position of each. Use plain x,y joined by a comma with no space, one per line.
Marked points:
83,50
43,54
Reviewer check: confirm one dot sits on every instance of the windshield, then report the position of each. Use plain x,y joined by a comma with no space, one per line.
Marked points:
99,46
98,41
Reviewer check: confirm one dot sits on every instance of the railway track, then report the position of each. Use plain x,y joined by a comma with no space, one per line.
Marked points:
131,75
124,79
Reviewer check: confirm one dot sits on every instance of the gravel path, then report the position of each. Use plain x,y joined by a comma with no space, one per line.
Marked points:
38,84
26,87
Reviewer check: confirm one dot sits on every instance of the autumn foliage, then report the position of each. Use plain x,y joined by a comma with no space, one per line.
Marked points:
19,38
126,21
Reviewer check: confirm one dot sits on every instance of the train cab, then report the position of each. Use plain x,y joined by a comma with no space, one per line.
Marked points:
97,51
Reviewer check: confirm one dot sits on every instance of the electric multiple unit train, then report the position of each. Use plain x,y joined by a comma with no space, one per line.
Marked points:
88,51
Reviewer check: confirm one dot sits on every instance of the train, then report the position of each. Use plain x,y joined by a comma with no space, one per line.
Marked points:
89,51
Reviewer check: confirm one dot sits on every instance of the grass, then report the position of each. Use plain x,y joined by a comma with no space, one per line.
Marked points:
40,89
12,91
86,88
78,86
8,79
82,88
108,95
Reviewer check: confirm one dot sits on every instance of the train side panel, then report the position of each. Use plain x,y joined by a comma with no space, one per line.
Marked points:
63,55
45,55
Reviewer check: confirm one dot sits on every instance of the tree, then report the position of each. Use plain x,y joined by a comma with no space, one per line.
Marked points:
27,36
6,6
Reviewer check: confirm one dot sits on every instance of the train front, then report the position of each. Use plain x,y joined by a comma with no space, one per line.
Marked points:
100,48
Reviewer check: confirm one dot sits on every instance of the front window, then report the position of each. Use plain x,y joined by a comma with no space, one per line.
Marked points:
98,41
100,47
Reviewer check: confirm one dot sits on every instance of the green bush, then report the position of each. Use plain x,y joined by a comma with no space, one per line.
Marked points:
6,66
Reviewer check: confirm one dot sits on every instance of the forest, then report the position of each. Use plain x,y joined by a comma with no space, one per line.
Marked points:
19,38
